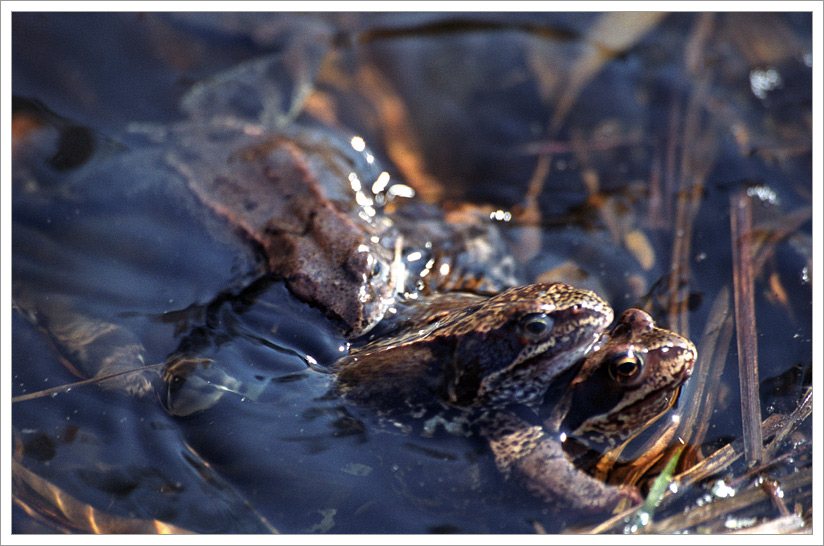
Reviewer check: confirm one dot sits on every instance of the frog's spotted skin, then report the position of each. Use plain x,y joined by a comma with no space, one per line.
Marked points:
537,460
620,389
290,196
483,359
577,317
488,352
665,360
472,362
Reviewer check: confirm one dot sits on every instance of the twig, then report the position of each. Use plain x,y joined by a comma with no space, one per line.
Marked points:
802,412
32,493
66,388
574,147
741,224
783,525
779,425
775,230
708,512
712,355
695,162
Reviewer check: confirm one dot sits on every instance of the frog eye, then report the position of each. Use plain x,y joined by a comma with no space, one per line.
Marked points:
377,269
536,325
625,367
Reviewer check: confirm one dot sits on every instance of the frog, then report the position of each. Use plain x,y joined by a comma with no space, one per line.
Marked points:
297,197
622,386
475,351
486,364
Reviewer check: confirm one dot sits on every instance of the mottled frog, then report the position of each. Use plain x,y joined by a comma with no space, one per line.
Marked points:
472,351
620,389
488,362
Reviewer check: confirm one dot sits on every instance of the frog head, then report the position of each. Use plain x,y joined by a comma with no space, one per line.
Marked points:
628,382
508,349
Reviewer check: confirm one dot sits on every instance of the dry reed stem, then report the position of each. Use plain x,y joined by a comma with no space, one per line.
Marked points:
712,356
746,335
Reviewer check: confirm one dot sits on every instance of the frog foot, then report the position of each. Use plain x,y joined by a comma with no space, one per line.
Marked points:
537,460
550,475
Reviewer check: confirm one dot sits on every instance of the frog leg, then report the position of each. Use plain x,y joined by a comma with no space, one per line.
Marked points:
532,456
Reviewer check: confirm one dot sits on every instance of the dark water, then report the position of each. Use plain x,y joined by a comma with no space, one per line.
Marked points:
98,224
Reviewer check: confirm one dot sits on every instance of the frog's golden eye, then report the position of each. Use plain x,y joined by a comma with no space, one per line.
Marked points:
625,367
536,325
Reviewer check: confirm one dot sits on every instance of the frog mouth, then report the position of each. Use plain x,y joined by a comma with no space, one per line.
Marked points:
573,353
610,432
544,368
611,427
526,381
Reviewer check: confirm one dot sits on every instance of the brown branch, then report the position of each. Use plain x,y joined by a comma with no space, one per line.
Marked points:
742,252
712,355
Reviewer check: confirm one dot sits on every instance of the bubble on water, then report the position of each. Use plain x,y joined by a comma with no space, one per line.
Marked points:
808,59
763,193
764,81
358,143
722,490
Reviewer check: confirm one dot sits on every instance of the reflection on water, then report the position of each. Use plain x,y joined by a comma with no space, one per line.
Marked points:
626,193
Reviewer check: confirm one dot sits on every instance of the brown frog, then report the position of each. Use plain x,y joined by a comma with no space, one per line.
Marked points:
493,356
621,387
472,351
299,199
